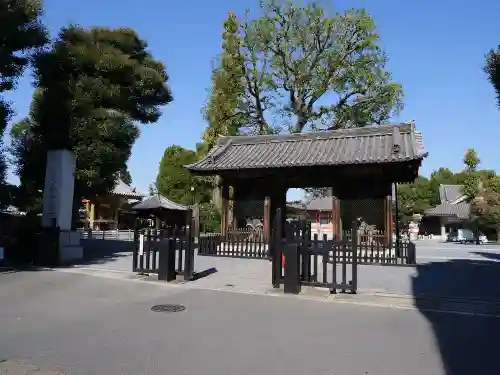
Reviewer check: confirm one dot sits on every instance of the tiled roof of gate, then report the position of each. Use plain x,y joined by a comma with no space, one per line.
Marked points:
371,144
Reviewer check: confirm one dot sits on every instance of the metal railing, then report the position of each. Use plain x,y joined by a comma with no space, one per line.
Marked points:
120,235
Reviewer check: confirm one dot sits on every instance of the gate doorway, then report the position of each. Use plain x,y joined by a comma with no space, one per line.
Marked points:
358,164
300,260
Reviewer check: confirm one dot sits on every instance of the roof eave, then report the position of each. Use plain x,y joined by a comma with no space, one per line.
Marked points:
204,170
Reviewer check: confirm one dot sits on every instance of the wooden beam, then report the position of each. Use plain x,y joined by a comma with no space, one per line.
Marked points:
336,217
224,208
267,219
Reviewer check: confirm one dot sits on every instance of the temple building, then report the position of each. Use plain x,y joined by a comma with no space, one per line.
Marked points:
112,211
451,213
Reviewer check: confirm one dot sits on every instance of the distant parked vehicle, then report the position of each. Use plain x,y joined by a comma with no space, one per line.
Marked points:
466,236
451,237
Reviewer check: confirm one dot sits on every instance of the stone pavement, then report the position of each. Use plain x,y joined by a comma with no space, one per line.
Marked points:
444,269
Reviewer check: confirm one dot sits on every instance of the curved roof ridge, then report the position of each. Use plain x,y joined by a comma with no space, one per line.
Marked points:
370,130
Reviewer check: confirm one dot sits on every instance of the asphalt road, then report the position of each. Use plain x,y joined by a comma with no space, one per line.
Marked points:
434,251
81,324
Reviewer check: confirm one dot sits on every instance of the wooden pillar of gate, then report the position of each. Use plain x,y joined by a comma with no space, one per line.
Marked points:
388,218
196,220
230,210
336,217
267,219
224,209
275,199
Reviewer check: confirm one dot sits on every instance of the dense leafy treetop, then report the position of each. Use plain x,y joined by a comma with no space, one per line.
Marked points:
276,69
94,85
175,182
97,73
492,69
471,182
22,34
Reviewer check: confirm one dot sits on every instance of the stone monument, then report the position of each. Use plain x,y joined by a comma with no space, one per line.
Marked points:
58,202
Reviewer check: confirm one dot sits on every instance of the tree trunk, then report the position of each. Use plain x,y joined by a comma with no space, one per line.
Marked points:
498,235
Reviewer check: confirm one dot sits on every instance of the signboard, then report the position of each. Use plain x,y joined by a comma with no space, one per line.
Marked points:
141,244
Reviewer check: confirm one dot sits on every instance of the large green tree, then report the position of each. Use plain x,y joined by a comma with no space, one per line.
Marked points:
175,182
414,198
22,34
471,183
298,67
492,69
221,110
93,87
486,206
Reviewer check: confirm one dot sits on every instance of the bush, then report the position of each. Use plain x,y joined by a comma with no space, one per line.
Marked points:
210,218
23,243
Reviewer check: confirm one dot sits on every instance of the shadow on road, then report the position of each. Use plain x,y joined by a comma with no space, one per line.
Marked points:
468,343
105,251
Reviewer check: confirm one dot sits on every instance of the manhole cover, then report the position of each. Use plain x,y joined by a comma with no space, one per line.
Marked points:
168,308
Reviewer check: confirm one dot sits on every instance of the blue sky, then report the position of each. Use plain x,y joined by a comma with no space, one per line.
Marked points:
436,51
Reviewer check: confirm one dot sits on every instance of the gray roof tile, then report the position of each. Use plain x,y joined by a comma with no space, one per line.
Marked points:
450,193
124,190
371,144
459,210
320,204
156,202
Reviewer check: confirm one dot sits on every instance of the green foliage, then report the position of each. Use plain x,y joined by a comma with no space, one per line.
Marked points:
285,61
22,34
176,183
221,110
210,218
492,69
486,206
124,175
414,198
471,182
442,176
93,86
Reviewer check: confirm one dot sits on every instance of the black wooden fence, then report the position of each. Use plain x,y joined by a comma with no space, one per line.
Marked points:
373,247
299,260
166,252
243,243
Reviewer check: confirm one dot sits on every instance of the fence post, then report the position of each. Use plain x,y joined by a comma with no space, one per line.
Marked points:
292,273
189,255
412,253
354,231
166,262
135,250
275,245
